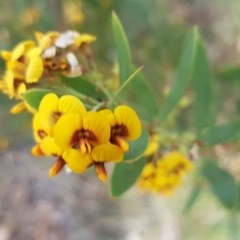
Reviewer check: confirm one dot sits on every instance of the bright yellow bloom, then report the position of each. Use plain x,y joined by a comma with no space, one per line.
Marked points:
166,174
125,126
85,142
50,110
24,67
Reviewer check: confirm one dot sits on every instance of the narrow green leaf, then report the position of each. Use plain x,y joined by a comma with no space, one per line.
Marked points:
84,86
222,133
183,75
194,195
122,47
33,97
142,98
229,73
137,148
130,78
202,89
222,183
125,175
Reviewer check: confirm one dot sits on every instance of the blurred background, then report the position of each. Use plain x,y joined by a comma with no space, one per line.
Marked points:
32,206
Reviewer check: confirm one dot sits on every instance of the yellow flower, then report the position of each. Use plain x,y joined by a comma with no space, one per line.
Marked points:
166,174
85,142
24,67
52,108
125,126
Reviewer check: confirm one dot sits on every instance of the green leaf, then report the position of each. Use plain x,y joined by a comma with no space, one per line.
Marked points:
84,86
194,195
222,183
202,89
33,97
142,98
222,133
125,175
183,75
137,148
229,73
123,50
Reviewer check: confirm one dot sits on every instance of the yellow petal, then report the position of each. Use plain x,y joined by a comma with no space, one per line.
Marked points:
108,114
34,70
71,104
18,108
84,38
97,124
34,52
57,167
36,151
119,141
127,117
20,90
153,146
49,147
76,161
39,130
101,171
46,40
6,55
20,49
48,109
106,153
9,80
65,128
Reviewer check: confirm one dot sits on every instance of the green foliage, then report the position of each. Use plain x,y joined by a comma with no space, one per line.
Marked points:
84,86
123,50
192,198
202,89
125,175
183,75
33,97
222,133
137,148
222,184
138,89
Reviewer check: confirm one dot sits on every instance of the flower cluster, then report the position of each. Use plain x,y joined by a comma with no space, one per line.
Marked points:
164,175
80,138
54,52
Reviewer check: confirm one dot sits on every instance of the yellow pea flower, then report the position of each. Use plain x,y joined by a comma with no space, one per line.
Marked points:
125,126
166,174
24,67
85,142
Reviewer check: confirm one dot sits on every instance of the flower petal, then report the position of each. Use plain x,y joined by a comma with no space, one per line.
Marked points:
128,117
39,130
106,153
34,70
101,171
107,113
76,161
57,167
21,49
18,108
65,128
71,104
96,123
49,147
48,109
